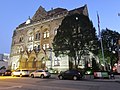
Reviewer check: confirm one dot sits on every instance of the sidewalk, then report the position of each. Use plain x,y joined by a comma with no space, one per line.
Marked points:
8,77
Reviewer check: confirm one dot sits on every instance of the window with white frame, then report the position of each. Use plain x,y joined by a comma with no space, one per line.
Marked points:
44,46
56,61
48,34
30,38
55,31
44,35
47,45
30,47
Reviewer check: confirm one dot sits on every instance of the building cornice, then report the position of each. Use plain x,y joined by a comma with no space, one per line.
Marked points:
41,22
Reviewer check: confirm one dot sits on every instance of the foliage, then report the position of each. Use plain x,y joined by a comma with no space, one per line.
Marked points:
95,65
75,37
110,45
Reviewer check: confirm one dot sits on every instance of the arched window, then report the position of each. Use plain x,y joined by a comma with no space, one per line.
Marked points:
46,34
37,36
21,39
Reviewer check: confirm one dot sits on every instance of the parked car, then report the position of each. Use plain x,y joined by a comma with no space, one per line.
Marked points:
40,73
7,73
2,71
20,73
70,74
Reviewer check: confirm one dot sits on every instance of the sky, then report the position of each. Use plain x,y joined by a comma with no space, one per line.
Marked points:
15,12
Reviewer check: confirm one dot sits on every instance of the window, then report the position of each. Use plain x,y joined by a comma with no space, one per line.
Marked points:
21,48
67,72
56,62
30,38
44,46
38,47
55,31
46,34
37,36
20,39
30,47
47,45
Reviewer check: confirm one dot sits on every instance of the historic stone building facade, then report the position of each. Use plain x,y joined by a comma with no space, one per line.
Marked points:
32,40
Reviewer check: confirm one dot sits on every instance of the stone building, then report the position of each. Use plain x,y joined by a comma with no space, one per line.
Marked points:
32,40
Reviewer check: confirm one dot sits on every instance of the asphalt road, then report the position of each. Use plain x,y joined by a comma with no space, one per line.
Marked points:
27,83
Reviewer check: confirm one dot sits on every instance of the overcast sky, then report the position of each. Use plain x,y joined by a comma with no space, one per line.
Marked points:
14,12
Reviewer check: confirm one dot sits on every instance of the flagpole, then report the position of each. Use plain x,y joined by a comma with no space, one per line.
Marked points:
101,42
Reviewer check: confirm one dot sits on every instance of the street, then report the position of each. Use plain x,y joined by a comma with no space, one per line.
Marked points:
27,83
